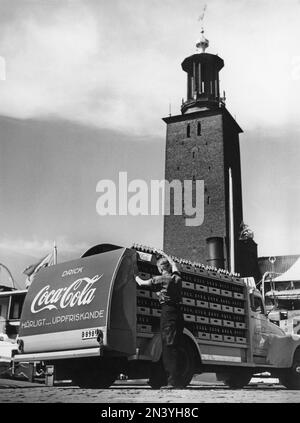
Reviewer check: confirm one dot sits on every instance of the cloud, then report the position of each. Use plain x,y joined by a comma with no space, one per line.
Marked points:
73,62
36,247
117,64
48,62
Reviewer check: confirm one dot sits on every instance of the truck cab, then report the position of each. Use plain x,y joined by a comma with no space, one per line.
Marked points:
261,327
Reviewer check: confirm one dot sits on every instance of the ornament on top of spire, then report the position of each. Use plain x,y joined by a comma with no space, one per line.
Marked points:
203,43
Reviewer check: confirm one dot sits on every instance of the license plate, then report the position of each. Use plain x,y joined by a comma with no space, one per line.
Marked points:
89,333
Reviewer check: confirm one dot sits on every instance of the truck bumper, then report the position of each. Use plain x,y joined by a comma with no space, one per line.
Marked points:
57,355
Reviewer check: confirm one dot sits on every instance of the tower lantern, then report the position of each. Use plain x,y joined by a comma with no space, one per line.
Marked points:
203,87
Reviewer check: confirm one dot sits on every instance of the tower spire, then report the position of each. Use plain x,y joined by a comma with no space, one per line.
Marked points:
203,43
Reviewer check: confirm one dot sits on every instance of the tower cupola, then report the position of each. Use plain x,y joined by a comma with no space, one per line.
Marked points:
203,86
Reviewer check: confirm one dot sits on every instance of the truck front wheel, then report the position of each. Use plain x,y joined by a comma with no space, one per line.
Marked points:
291,378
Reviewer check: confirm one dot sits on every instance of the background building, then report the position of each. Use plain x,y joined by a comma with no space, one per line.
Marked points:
277,264
203,144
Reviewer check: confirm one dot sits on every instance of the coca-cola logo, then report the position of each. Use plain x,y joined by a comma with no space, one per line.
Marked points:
80,292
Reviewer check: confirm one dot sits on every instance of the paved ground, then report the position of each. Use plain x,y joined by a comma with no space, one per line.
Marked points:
198,392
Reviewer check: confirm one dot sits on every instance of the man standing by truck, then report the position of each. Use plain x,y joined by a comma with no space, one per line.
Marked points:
168,288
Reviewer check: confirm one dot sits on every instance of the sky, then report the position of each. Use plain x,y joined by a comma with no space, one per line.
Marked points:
83,88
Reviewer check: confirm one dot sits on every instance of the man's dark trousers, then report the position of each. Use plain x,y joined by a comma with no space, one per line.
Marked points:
171,327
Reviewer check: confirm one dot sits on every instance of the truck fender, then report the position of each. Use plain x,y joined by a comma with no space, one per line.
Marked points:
192,339
281,349
154,348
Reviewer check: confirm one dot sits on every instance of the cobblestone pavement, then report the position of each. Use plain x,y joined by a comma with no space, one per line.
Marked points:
24,392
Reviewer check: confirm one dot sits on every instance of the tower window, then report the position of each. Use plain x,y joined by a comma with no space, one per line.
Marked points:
194,152
208,200
188,131
199,128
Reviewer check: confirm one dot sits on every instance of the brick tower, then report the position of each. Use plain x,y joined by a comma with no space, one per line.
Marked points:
203,144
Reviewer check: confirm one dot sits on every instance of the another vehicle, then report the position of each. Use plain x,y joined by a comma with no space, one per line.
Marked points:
284,308
11,302
90,320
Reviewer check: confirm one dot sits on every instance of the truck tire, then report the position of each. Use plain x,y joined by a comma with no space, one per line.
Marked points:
92,381
187,360
158,375
97,376
291,378
239,379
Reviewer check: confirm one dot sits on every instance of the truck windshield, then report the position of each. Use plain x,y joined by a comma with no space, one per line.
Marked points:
257,305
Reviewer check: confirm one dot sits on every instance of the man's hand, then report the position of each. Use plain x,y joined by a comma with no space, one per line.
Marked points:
162,253
171,261
142,282
139,281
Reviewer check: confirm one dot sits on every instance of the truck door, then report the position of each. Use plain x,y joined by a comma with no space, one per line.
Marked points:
259,329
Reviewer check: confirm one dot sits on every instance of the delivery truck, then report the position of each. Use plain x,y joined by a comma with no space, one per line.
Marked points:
90,321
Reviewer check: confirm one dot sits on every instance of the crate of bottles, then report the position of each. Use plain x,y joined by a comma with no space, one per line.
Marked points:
213,301
156,312
144,328
143,293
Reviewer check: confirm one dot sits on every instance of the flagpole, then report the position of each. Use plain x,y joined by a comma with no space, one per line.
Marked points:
231,225
54,253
